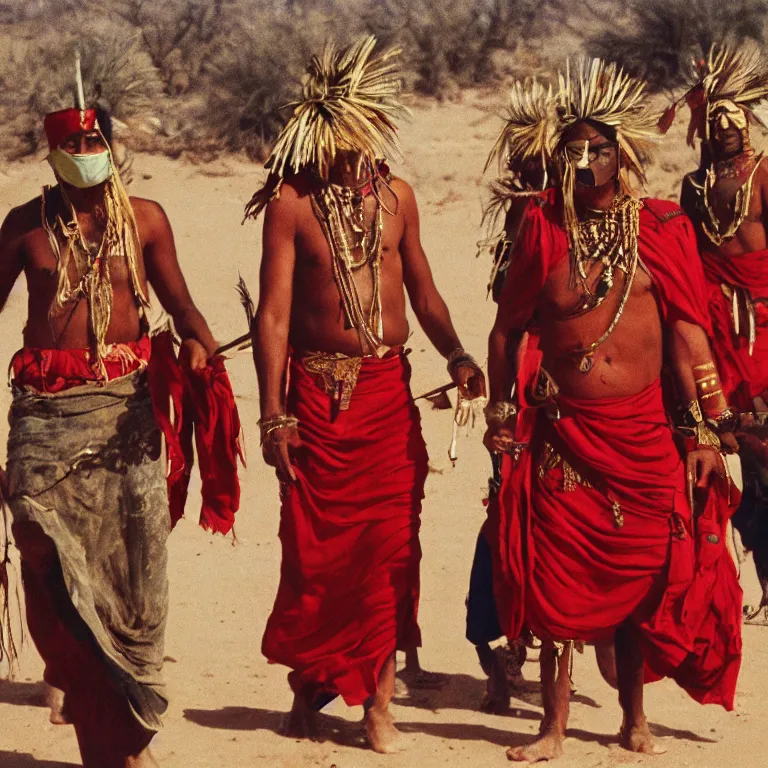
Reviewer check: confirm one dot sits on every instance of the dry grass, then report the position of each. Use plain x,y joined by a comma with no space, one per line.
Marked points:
205,76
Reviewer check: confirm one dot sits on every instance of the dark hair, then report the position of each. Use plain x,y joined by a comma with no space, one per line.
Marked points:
105,124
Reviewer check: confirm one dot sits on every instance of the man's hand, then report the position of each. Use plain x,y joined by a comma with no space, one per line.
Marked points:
3,484
729,442
470,381
277,452
193,354
702,464
500,438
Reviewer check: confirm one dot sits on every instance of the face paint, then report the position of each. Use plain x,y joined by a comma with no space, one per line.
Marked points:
595,164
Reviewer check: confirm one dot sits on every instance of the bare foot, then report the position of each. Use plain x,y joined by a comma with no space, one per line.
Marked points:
301,721
638,738
548,746
383,737
56,701
144,760
497,695
418,678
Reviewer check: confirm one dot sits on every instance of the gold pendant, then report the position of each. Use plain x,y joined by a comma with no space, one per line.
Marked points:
586,363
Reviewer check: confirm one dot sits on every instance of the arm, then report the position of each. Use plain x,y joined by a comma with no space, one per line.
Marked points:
10,269
427,303
165,277
271,327
525,280
10,257
699,382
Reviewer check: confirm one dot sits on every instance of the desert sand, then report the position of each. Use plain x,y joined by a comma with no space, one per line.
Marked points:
227,702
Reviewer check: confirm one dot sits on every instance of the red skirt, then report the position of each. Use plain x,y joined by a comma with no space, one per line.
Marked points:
349,530
568,570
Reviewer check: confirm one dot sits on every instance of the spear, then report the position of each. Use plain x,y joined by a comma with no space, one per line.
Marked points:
244,341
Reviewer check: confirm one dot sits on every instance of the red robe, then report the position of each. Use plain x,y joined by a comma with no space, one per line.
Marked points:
563,567
349,530
744,376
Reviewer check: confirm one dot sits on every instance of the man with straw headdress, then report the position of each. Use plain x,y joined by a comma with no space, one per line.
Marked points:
341,247
727,200
592,532
87,480
524,155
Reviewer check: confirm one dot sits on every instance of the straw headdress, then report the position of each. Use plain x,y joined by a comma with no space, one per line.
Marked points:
730,74
601,92
527,136
349,101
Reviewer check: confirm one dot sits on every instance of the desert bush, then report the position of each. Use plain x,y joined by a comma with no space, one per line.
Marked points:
660,38
180,37
39,78
251,80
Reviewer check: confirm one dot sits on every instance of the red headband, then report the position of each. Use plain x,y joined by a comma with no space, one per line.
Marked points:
59,126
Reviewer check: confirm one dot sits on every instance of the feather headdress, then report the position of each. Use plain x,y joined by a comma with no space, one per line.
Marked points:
601,92
528,136
736,75
349,101
529,125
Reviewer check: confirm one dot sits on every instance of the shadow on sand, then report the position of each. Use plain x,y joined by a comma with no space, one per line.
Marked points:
329,728
466,692
22,695
24,760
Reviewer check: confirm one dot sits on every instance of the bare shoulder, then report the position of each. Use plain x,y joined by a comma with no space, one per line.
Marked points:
402,189
23,219
147,210
292,197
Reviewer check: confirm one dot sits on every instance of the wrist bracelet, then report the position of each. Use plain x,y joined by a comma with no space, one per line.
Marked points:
271,424
460,357
499,412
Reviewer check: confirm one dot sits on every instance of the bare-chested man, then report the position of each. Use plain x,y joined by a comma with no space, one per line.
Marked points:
86,478
727,200
341,249
593,535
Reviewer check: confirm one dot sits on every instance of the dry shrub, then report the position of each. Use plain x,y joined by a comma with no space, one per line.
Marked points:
180,37
660,38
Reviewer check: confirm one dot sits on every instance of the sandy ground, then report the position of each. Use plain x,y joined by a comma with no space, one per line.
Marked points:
227,703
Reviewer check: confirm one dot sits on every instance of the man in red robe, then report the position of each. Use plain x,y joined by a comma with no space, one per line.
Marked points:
727,201
341,248
592,531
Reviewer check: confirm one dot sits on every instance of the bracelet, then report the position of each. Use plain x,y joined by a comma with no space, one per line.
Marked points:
458,358
271,424
499,412
725,421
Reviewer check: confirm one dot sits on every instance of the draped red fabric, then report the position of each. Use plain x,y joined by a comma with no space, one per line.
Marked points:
55,370
744,376
189,406
349,530
197,405
563,567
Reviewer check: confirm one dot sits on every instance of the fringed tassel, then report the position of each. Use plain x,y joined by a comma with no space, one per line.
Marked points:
9,650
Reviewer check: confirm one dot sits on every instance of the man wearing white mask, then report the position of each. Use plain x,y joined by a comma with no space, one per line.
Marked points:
86,479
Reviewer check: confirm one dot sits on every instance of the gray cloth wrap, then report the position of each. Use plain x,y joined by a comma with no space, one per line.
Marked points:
88,466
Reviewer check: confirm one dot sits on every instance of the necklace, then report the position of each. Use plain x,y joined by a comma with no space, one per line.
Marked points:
610,237
354,246
613,240
713,228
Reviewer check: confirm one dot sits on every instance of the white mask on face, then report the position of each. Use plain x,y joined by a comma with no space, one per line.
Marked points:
81,171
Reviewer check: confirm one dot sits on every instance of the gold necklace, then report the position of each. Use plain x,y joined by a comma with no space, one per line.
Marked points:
741,204
610,238
341,218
